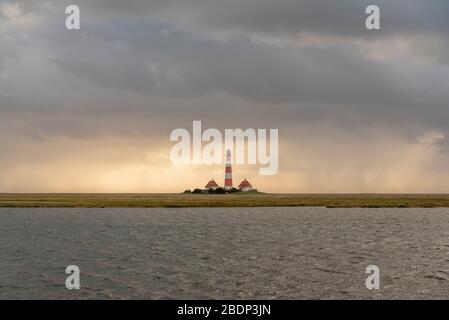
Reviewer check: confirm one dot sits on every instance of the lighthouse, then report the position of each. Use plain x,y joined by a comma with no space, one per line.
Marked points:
228,171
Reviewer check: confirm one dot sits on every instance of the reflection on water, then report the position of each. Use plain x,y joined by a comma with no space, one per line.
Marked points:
229,253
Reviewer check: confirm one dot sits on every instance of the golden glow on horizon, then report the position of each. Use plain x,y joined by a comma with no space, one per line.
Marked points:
130,165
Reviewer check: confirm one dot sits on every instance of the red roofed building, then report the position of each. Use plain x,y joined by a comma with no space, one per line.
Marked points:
211,185
245,186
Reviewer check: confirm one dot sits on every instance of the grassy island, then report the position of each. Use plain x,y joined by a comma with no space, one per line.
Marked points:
240,199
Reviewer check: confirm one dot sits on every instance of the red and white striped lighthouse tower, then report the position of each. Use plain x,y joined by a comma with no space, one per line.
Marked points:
228,171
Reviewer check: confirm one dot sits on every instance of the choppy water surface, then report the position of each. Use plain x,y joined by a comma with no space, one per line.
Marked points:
235,253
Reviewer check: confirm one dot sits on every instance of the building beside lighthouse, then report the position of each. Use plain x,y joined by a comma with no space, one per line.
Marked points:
228,171
245,186
211,185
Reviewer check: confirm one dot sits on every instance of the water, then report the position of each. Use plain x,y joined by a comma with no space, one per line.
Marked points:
224,253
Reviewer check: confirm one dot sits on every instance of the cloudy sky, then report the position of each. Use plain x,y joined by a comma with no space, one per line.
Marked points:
92,110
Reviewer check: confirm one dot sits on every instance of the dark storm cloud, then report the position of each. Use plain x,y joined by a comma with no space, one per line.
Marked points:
151,58
180,65
156,50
